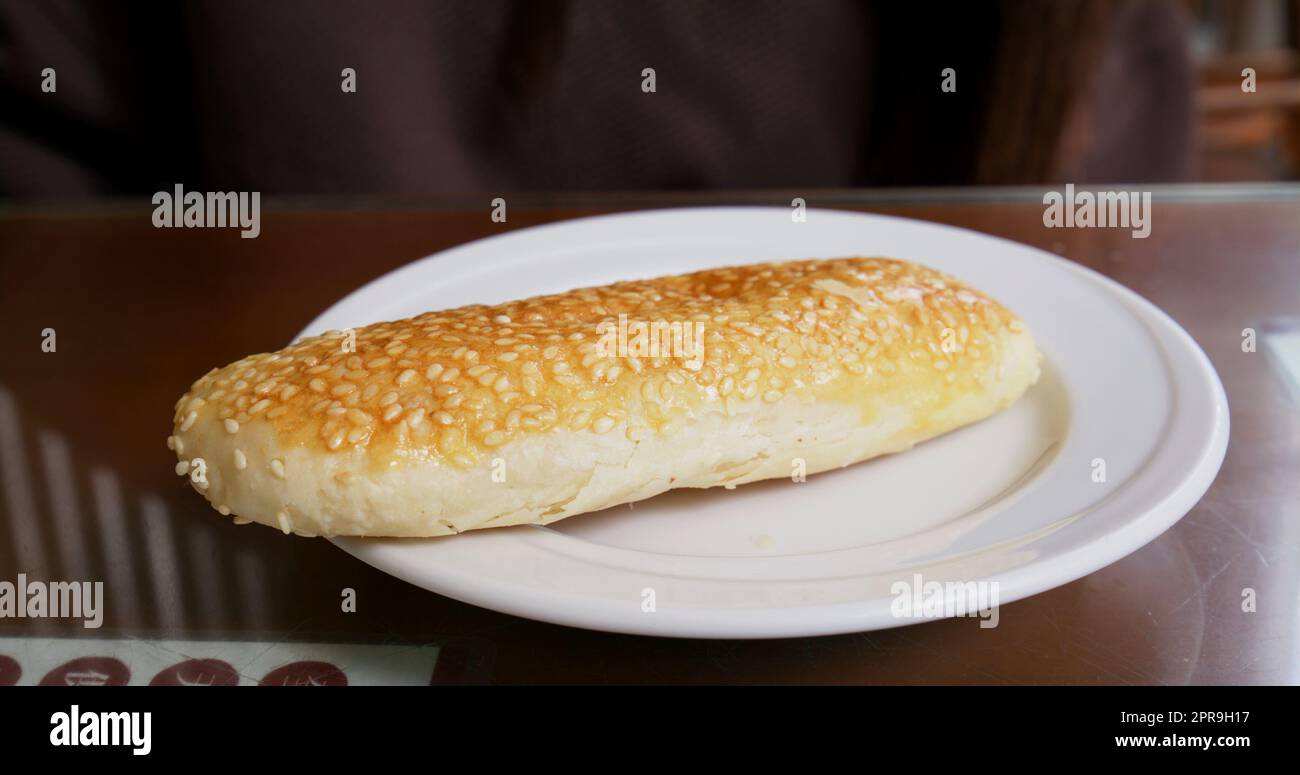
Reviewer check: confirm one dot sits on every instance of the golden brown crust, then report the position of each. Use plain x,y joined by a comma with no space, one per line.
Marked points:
456,388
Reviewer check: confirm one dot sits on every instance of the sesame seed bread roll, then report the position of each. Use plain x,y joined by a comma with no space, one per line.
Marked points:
535,410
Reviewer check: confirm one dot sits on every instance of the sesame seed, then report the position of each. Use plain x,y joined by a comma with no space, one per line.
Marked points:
282,518
223,510
231,425
182,467
772,330
277,468
241,461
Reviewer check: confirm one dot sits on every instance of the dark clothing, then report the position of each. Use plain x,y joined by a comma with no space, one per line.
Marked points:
490,96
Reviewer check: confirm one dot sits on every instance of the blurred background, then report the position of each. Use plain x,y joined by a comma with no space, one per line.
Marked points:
456,98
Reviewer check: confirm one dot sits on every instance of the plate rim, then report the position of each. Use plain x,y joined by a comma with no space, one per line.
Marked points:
855,615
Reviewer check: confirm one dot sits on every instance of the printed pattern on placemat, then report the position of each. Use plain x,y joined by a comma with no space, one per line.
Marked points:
120,662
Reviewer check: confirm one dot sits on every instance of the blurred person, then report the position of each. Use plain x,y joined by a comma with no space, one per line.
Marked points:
494,96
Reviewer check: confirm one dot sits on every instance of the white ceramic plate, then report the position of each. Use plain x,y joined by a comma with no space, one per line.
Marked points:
1013,500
